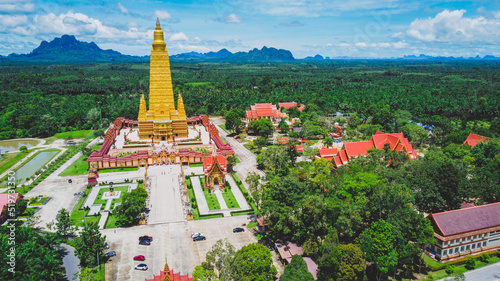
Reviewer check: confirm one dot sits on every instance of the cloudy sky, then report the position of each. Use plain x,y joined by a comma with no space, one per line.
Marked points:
355,28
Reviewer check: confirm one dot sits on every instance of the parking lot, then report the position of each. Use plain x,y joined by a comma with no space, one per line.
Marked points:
171,243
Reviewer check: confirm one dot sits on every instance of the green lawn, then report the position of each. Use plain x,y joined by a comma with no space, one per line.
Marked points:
78,168
223,140
74,134
39,201
229,198
252,224
196,165
439,274
111,223
49,140
77,215
213,203
121,169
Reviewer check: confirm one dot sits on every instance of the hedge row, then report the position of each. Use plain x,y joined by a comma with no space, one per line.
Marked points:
462,260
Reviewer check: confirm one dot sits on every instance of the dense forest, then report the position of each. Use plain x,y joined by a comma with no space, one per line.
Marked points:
40,100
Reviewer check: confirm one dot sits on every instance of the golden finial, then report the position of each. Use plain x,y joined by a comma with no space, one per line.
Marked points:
158,24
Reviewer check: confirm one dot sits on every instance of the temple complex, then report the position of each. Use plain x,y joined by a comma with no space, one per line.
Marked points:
162,122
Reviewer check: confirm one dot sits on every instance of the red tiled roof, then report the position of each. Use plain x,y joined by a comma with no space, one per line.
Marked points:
287,105
337,161
287,249
311,266
353,149
474,139
209,160
299,148
264,110
328,153
466,220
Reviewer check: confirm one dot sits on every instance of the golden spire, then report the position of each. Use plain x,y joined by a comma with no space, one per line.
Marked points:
180,108
142,109
158,43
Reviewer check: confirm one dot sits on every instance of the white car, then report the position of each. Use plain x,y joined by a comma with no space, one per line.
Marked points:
196,234
141,266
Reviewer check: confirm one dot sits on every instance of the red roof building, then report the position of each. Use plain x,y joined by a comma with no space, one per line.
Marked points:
169,275
215,169
287,105
474,139
465,231
264,110
328,153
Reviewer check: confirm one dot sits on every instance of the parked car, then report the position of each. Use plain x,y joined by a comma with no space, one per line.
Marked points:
146,210
146,237
145,242
238,229
110,254
139,258
198,238
70,181
141,266
196,234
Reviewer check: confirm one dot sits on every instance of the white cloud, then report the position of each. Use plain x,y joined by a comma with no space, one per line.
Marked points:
122,8
162,15
397,35
80,24
400,45
179,37
193,48
232,18
364,45
451,26
17,7
12,20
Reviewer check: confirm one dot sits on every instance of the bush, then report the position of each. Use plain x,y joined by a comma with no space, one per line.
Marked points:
485,257
471,263
450,269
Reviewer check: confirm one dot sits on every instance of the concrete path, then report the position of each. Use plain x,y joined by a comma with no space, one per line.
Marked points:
70,262
201,201
165,196
220,198
102,220
238,195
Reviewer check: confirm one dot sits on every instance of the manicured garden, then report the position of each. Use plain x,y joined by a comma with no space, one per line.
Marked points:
213,203
229,198
81,134
459,266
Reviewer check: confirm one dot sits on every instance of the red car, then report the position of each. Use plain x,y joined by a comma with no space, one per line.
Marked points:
139,258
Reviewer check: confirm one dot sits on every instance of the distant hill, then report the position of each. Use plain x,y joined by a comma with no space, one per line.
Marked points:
68,49
264,54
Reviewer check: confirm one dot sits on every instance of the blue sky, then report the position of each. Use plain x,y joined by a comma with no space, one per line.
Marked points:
354,28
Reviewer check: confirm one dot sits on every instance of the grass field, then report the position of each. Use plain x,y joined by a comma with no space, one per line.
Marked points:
121,169
111,223
229,198
459,268
78,168
74,134
196,165
96,147
76,216
9,159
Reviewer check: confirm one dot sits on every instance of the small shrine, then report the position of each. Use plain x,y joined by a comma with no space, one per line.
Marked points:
215,169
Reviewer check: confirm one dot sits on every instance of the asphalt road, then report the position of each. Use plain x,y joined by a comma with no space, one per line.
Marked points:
487,273
70,262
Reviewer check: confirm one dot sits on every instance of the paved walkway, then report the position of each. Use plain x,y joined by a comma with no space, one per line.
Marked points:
220,198
166,194
238,195
200,197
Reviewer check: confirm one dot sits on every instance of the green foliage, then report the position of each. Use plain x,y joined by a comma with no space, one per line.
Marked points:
233,121
470,263
253,262
450,269
328,141
283,126
200,273
262,127
485,257
21,205
310,247
221,257
23,148
90,245
132,206
296,270
63,223
36,255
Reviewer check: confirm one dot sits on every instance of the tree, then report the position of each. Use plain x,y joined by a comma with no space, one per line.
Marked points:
275,159
231,161
293,112
378,245
63,224
90,245
310,247
220,257
132,206
328,141
470,263
284,128
263,127
23,148
297,270
201,273
21,205
233,121
93,116
352,264
253,262
414,133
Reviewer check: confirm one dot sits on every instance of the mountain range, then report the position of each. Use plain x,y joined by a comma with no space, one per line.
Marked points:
67,49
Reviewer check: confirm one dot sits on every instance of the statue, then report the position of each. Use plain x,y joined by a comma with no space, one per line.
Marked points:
338,132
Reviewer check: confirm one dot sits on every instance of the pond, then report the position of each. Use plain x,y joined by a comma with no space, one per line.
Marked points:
34,165
13,145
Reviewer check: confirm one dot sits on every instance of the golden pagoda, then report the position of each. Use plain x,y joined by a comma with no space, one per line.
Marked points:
162,121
